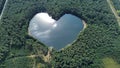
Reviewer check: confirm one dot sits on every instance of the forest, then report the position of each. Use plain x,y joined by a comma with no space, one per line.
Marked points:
116,4
99,40
1,5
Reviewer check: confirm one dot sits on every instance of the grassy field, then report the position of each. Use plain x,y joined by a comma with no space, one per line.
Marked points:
110,63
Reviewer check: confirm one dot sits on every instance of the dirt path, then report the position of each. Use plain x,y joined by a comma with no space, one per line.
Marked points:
47,58
3,9
114,11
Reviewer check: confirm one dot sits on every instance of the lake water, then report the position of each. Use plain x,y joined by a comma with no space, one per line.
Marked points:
54,33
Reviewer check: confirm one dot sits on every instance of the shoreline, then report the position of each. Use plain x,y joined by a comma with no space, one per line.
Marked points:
85,25
68,45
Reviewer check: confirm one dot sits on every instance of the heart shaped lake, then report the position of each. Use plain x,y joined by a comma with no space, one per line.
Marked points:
54,33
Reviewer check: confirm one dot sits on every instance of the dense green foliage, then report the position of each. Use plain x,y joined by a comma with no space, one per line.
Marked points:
118,11
99,40
1,5
116,4
19,62
96,41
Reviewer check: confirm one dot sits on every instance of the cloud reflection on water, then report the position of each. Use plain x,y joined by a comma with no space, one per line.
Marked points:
55,33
